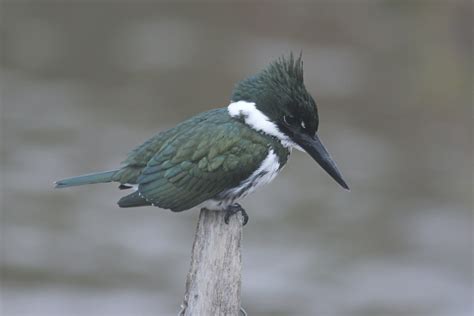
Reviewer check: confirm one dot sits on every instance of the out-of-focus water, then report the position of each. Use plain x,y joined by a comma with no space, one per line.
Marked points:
85,82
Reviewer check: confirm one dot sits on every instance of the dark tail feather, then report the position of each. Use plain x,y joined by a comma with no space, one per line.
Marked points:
133,200
99,177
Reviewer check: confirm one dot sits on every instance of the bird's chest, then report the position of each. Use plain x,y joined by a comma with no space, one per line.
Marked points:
267,171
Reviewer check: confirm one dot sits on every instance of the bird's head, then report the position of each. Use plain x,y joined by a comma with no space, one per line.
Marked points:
275,101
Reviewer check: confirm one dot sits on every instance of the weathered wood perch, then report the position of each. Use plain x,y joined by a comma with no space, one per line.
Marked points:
214,278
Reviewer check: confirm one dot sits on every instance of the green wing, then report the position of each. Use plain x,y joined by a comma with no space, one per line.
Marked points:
201,161
138,158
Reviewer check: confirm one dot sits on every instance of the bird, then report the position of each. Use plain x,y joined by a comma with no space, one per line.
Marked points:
217,157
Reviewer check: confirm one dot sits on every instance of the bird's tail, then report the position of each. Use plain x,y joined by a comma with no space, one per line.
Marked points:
99,177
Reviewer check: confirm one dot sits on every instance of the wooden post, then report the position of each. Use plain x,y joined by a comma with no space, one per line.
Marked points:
214,278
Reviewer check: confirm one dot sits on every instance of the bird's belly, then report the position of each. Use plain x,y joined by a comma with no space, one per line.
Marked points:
267,171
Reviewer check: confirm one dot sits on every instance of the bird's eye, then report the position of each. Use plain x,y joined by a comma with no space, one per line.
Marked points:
290,120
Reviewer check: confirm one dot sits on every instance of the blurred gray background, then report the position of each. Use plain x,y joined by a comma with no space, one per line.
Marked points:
83,82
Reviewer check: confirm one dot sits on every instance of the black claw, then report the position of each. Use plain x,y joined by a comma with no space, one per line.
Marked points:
233,209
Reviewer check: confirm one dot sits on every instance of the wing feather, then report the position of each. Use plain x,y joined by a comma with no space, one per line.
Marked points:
200,162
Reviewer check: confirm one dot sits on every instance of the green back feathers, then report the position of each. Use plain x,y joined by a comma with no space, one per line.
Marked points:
203,160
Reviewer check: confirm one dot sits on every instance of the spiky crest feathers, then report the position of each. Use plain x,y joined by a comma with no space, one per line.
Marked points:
279,91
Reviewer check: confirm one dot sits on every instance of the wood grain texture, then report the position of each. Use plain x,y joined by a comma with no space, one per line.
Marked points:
214,279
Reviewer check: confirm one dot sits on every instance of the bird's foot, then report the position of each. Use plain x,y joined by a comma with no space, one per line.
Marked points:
233,209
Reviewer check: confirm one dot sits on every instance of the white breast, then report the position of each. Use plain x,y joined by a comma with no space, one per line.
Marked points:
267,171
263,175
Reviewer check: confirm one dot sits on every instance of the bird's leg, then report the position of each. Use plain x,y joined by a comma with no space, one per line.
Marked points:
233,209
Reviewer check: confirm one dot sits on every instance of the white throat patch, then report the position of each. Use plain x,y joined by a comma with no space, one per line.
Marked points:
259,121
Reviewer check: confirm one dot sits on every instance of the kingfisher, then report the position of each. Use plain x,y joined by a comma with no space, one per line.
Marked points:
217,157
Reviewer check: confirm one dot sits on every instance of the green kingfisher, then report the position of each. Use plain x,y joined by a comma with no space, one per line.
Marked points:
219,156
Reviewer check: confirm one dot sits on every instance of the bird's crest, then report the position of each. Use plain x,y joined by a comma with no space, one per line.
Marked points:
286,69
282,78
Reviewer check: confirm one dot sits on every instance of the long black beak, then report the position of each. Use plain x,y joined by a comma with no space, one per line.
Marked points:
314,147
